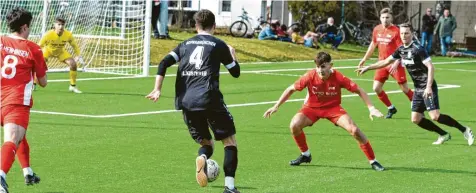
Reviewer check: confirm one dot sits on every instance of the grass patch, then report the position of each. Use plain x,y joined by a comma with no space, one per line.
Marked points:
254,50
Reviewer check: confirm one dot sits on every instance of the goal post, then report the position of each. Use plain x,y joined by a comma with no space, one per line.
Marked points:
113,35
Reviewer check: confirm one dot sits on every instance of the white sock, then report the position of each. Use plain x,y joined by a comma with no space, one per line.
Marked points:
306,153
27,171
391,107
230,182
2,173
205,156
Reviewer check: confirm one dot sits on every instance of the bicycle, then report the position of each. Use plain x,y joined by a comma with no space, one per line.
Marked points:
241,25
302,24
361,35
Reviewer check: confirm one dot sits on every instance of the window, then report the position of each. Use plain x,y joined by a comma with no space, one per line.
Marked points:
184,4
173,4
187,3
226,6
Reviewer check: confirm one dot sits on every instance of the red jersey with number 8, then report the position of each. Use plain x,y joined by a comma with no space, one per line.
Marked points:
20,59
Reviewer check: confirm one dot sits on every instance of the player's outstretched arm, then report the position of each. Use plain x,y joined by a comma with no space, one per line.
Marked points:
394,66
284,97
379,64
365,97
234,67
168,61
40,67
369,53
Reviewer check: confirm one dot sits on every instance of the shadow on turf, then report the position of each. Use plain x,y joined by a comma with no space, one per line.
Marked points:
238,187
405,169
122,94
146,125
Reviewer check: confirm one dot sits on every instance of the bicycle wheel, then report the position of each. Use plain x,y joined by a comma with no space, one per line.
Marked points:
238,29
365,37
341,33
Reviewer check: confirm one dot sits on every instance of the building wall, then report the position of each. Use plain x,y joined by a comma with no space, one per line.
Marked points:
280,12
224,18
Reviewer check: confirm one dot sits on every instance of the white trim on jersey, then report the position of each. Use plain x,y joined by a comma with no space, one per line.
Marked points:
307,97
426,61
27,93
176,57
230,65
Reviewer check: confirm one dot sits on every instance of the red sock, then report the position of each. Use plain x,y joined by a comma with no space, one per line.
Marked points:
384,98
23,153
368,151
409,94
8,156
301,142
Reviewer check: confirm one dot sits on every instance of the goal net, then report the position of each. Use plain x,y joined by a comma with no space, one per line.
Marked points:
113,35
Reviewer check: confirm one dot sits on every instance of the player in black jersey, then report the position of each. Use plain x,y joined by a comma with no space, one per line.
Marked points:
198,95
419,66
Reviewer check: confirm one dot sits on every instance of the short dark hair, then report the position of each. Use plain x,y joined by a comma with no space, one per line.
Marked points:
322,57
284,27
205,19
18,17
296,29
386,10
60,19
407,25
447,8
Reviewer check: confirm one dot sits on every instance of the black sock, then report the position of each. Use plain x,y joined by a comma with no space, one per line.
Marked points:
430,126
447,120
207,150
231,160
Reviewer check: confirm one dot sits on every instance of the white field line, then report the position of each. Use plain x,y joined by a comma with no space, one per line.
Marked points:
442,86
262,71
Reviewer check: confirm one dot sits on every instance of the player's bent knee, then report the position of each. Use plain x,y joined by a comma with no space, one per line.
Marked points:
13,133
377,88
416,119
404,87
354,130
206,142
229,141
434,116
72,64
296,128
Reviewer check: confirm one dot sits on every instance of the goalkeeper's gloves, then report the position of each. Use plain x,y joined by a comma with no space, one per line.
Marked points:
374,113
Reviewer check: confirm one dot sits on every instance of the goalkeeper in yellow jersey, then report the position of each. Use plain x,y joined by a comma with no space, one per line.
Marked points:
53,44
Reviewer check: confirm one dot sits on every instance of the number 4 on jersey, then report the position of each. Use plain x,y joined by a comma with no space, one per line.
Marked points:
196,57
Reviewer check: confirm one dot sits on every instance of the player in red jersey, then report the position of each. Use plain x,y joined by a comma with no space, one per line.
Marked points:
20,58
386,37
324,101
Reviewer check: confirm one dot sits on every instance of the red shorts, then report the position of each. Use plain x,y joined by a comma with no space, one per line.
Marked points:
382,74
331,113
17,114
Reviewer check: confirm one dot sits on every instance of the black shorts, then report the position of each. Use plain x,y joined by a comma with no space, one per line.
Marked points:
219,121
421,104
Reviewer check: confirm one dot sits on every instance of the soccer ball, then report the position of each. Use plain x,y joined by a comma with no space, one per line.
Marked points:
213,170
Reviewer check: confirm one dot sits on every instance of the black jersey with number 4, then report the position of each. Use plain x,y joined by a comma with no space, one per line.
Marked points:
197,82
414,58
